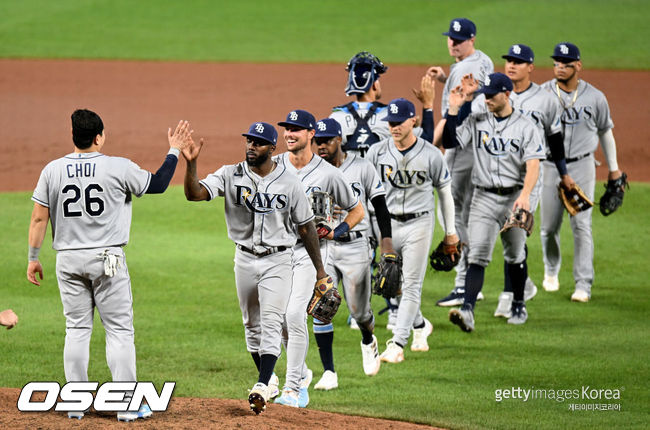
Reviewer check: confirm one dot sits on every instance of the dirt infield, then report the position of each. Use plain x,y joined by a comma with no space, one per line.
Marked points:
138,101
190,414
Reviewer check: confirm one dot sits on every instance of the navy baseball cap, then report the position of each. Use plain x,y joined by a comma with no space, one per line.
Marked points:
520,52
461,29
399,110
328,127
300,118
264,131
496,83
566,51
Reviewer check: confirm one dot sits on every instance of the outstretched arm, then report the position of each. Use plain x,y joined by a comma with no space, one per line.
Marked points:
177,141
37,229
309,237
194,191
426,94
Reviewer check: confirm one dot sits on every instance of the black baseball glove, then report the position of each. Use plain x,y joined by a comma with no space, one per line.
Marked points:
445,257
613,197
324,301
387,281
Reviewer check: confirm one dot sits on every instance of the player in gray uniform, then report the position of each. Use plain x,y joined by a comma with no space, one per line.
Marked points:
460,42
586,121
264,202
411,169
507,148
544,111
87,196
349,260
315,174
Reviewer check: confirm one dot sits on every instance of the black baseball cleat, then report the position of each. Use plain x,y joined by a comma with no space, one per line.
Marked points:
257,398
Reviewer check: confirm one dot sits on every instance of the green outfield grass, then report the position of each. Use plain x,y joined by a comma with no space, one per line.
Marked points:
610,34
188,327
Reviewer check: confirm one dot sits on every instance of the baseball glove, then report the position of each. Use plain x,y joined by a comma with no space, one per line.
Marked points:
520,218
387,281
324,301
322,205
445,257
574,199
613,197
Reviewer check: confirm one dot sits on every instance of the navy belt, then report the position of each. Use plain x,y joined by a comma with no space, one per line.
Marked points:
501,191
349,236
408,217
269,251
579,157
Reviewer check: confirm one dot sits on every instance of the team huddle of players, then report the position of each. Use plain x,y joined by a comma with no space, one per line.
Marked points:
509,143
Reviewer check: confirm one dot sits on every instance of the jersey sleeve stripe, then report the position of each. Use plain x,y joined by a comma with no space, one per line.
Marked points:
146,185
305,221
207,188
40,202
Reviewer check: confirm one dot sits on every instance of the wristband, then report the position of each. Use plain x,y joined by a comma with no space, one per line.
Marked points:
32,255
174,151
341,229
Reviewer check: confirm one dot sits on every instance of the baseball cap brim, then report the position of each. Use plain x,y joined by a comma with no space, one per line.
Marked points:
258,137
488,91
295,124
456,36
563,57
514,57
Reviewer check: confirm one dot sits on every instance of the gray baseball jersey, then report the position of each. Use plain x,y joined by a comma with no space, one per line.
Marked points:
478,64
501,148
409,179
89,197
261,212
585,114
366,184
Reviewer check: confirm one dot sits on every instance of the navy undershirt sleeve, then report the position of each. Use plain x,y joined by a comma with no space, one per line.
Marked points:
427,125
449,132
556,145
160,180
383,216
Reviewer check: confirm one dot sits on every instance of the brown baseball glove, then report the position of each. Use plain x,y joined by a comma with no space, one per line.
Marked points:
574,199
324,301
520,218
446,256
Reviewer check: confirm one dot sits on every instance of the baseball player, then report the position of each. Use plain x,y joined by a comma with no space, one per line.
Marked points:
264,201
88,196
544,111
586,121
315,174
411,169
461,38
8,318
349,260
507,148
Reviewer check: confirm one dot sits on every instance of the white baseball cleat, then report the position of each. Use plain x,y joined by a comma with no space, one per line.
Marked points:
551,283
274,386
393,353
392,319
504,308
530,290
258,397
353,324
328,381
420,336
370,354
580,295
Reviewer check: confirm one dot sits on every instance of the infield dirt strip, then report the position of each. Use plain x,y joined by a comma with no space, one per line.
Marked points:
138,101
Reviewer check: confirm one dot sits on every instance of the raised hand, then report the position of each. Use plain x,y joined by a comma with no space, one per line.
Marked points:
181,137
437,73
427,92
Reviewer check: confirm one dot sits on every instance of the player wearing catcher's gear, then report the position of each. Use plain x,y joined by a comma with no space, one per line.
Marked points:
411,169
586,121
348,257
264,202
507,148
87,196
544,111
315,174
461,38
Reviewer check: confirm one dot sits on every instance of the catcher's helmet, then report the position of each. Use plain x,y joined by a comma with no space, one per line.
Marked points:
364,69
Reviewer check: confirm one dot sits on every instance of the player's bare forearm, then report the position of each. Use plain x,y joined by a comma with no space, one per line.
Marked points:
193,190
37,229
532,175
437,133
309,237
387,245
355,215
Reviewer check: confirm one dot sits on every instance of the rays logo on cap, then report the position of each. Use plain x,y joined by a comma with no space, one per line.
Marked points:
487,81
394,108
321,126
259,128
456,26
516,49
564,49
293,116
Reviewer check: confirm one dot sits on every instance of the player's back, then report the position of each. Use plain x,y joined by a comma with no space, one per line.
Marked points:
89,199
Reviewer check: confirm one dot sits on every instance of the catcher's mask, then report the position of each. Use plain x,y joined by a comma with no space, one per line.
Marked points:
364,69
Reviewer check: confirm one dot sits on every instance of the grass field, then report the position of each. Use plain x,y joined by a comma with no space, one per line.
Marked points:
610,34
188,327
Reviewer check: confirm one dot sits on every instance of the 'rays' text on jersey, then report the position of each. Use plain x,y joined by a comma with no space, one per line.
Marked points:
259,202
80,170
402,178
497,146
573,115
